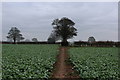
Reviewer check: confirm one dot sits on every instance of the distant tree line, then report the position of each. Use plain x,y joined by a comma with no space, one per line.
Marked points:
76,43
97,44
63,29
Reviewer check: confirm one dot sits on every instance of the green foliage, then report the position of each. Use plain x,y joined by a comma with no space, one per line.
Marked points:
14,34
28,61
96,62
64,28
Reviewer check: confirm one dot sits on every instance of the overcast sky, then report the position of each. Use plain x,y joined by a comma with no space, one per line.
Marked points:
98,19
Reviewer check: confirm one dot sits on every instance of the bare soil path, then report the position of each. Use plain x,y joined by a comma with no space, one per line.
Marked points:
62,69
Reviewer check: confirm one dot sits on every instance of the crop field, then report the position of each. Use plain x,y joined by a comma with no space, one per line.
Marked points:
36,61
28,61
95,62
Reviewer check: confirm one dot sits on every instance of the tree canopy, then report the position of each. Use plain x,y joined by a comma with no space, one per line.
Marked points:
34,40
14,34
64,28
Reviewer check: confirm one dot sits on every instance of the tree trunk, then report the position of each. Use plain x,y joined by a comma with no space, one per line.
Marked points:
14,40
64,42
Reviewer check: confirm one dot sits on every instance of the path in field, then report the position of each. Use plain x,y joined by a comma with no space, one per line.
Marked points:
62,69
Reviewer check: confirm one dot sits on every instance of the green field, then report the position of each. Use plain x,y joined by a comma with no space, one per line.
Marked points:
94,62
28,61
36,61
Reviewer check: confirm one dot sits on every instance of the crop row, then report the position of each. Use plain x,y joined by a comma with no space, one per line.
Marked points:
100,63
28,61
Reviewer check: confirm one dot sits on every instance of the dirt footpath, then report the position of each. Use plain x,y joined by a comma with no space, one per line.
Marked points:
62,69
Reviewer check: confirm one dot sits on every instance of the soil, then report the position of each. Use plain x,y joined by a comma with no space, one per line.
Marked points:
62,68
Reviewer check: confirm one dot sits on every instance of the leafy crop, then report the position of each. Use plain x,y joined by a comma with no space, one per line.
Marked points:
91,62
28,61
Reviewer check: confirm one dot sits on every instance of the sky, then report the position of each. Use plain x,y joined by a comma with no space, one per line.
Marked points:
33,19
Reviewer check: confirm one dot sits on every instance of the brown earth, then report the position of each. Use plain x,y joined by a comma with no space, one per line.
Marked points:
62,68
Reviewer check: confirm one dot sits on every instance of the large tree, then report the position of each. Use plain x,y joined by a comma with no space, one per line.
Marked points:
14,34
64,28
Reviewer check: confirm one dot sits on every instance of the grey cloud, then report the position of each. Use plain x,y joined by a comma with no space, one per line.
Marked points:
34,19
